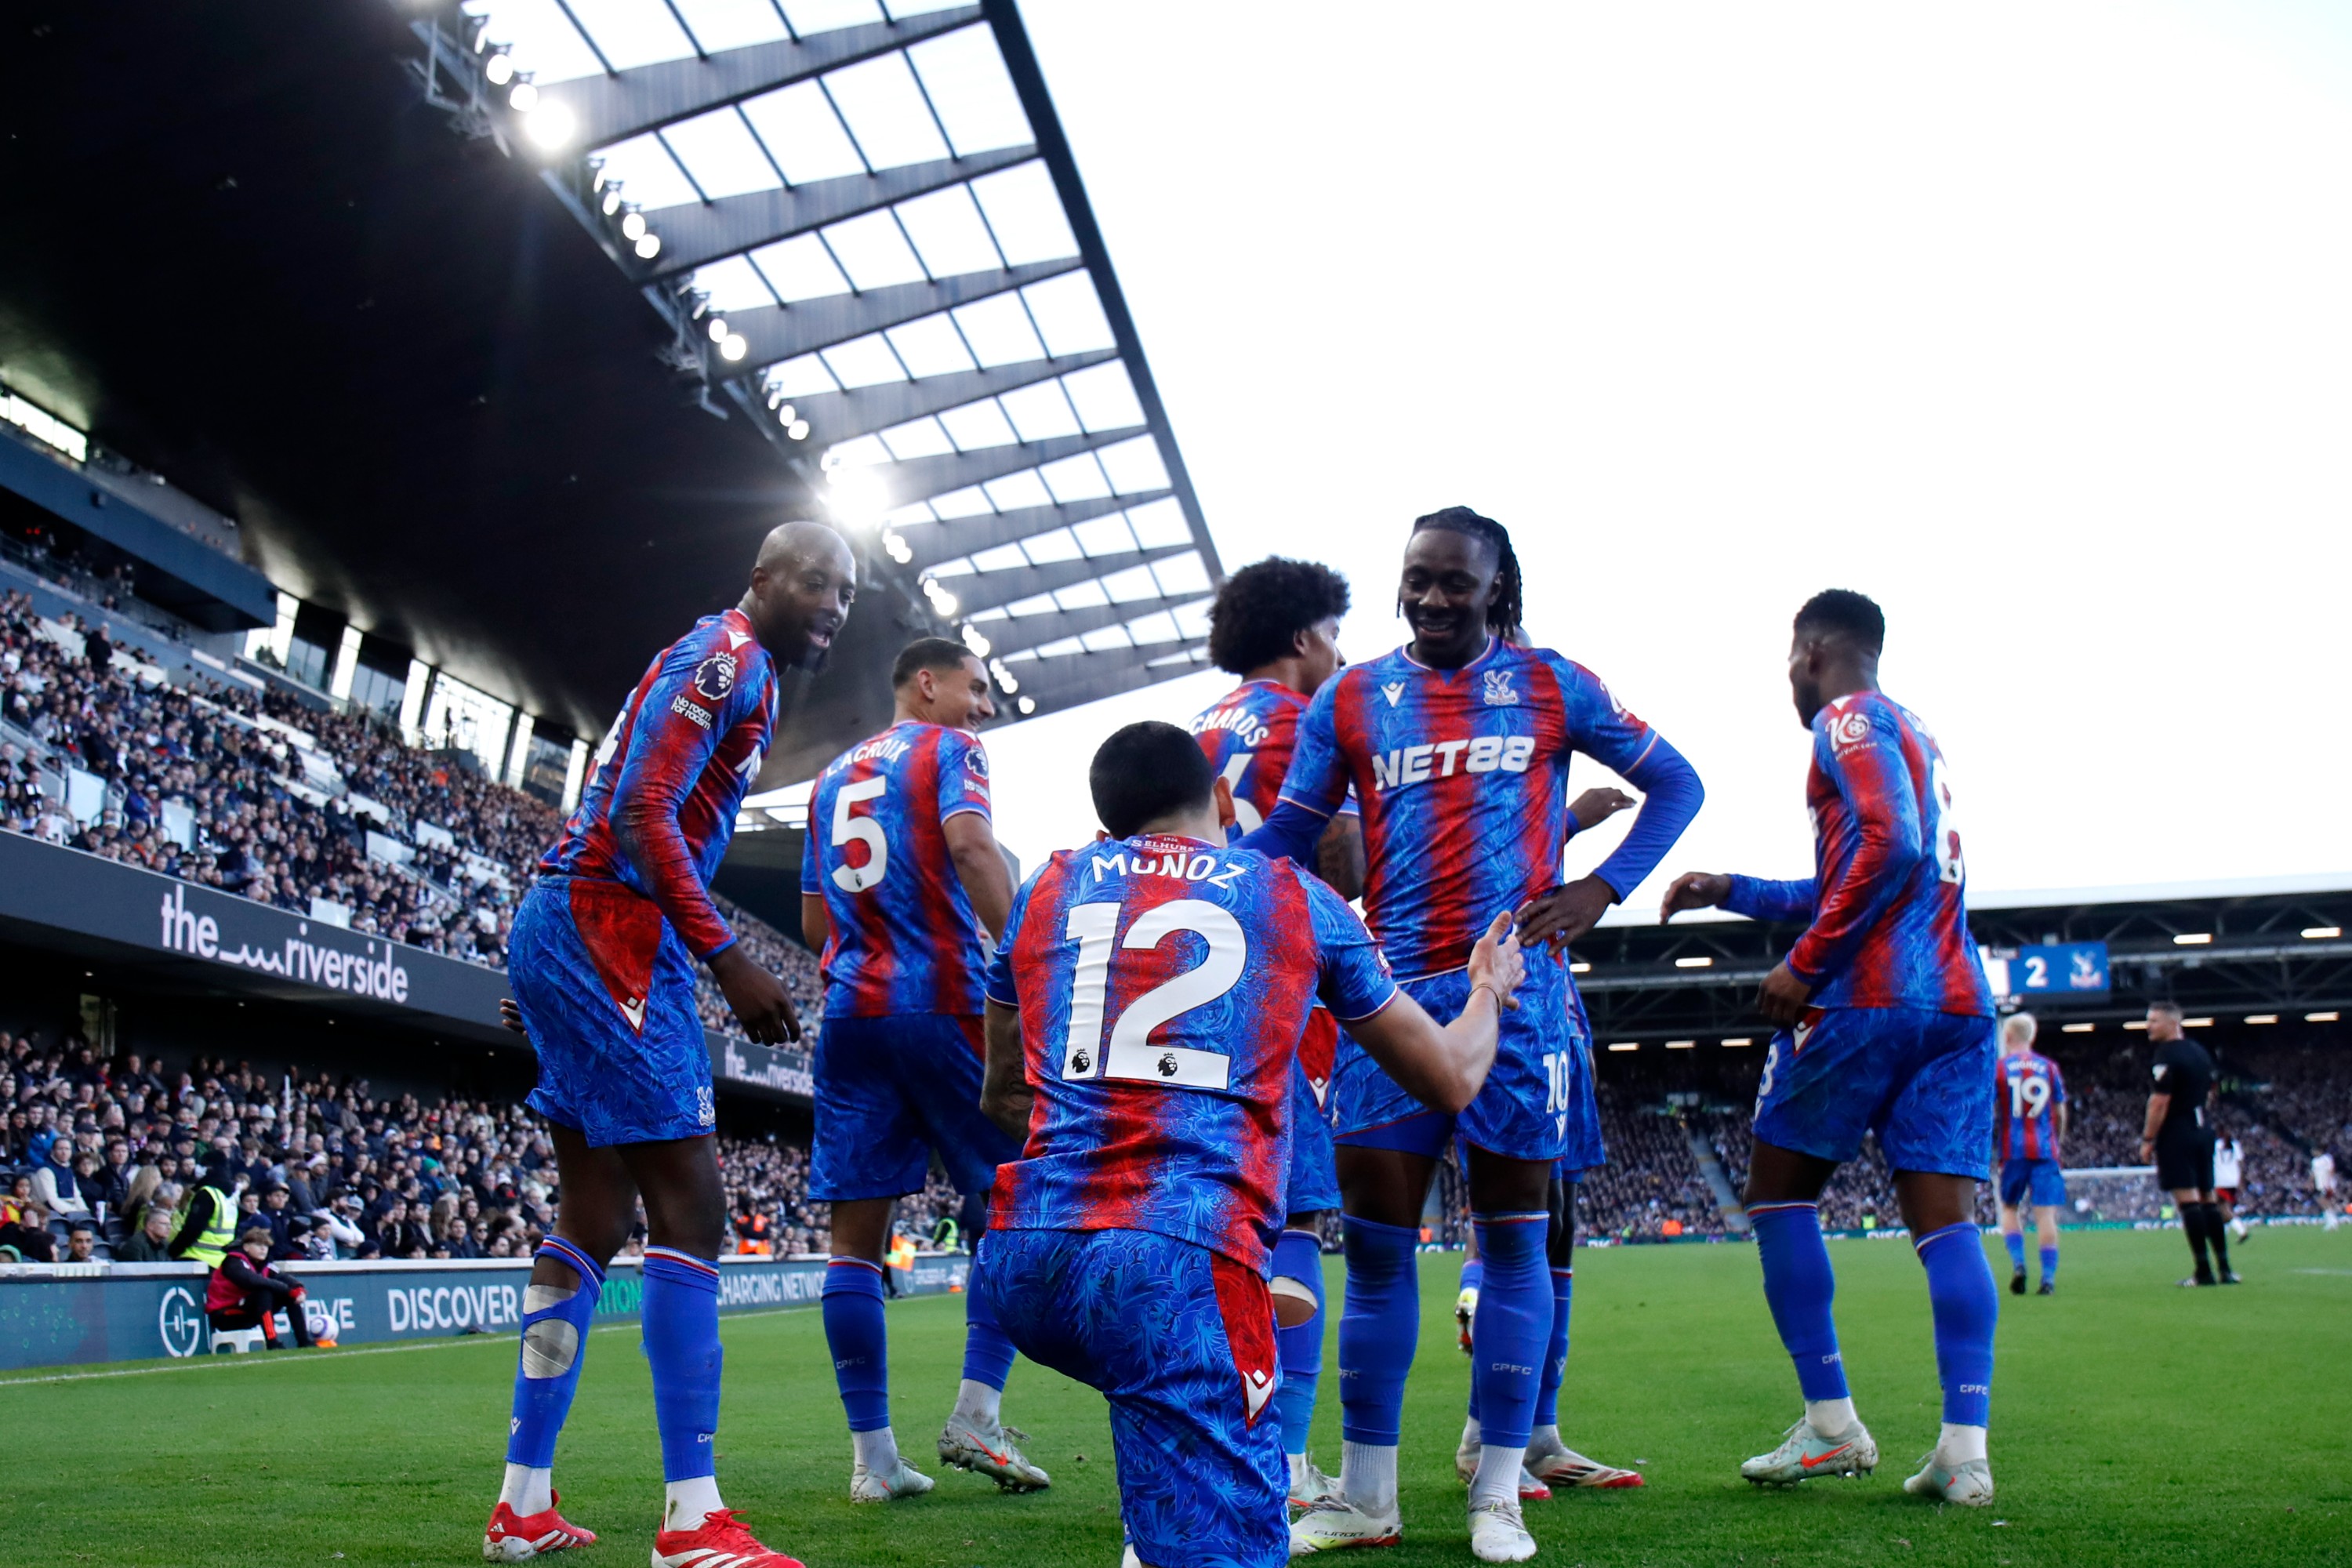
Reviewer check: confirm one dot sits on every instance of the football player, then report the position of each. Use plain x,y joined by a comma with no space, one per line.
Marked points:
901,881
1144,1016
602,960
1886,1027
1456,747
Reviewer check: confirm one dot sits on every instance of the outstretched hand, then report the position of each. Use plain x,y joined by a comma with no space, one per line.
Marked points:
1595,806
1497,960
512,1015
1558,916
760,1001
1694,891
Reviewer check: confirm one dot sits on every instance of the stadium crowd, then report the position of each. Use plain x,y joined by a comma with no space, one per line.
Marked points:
261,796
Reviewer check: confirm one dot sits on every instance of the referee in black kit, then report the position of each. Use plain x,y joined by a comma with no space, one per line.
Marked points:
2177,1134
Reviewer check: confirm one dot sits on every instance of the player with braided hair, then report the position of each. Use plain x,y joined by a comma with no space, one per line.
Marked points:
1457,747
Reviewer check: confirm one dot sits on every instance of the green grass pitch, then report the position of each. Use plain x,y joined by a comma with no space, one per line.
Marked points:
2135,1424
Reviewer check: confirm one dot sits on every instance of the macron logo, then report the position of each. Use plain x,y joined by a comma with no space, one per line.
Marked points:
1392,690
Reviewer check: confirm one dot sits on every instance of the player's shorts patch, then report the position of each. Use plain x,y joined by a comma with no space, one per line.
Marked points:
1248,1310
622,931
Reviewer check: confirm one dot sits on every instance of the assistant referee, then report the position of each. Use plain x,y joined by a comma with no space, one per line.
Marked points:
2181,1141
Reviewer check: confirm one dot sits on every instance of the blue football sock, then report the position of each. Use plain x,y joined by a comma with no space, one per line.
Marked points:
1378,1329
1800,1288
1515,1313
2049,1264
1555,1367
1299,1254
987,1354
2016,1240
554,1338
681,1339
860,1345
1965,1305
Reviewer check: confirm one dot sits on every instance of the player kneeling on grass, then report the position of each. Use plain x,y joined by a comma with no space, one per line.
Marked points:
1887,1027
1144,1016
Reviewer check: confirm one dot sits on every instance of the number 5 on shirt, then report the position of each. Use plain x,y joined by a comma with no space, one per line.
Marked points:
866,830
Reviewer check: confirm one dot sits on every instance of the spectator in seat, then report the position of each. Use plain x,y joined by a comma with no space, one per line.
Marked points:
153,1243
246,1292
81,1244
28,1235
56,1186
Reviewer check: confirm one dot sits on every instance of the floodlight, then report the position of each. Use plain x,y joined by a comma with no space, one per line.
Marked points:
717,328
500,69
551,125
1027,705
634,225
649,246
798,430
525,97
736,346
611,198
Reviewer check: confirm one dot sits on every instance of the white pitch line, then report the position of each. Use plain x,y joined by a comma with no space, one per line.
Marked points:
197,1364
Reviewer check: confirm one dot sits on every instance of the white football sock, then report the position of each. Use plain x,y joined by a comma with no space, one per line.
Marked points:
1830,1417
876,1450
1298,1467
978,1404
1546,1440
685,1504
1958,1444
527,1491
1470,1433
1498,1476
1367,1478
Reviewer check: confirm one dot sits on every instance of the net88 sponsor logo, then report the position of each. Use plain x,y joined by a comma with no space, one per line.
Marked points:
1407,766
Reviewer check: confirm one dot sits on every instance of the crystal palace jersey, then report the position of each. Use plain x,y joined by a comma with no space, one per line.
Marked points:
2026,1091
904,937
1247,736
1163,984
659,807
1461,776
1887,900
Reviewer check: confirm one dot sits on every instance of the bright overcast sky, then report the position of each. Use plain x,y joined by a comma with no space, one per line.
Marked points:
2030,321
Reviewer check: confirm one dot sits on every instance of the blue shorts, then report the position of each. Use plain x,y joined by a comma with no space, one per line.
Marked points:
1181,1340
892,1090
1922,1080
606,990
1538,1101
1314,1182
2041,1178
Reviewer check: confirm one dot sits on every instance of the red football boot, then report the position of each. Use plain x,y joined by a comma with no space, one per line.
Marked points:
720,1538
519,1537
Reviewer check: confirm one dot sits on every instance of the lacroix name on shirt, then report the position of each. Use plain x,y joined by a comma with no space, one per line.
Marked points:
887,748
1441,760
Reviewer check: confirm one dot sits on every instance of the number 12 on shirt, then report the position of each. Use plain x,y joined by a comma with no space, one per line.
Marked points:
1129,1053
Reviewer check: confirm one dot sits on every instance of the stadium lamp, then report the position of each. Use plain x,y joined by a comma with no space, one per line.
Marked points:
2322,933
1027,705
2261,1017
500,69
1626,1046
735,346
1579,967
941,600
719,330
798,429
612,203
857,497
2193,939
2076,1029
524,98
1003,676
1738,1041
1681,1044
551,125
975,640
632,226
649,245
2321,1017
1700,963
895,545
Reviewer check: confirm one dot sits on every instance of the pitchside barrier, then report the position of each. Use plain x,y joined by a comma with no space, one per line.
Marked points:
79,1313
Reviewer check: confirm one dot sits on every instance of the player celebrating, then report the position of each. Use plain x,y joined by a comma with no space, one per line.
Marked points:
900,876
1458,748
2181,1140
2029,1103
1275,624
601,961
1885,1023
1144,1015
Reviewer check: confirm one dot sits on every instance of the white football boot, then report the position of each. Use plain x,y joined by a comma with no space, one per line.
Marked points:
882,1486
1497,1534
1310,1485
989,1450
1564,1467
1336,1524
1804,1453
1968,1482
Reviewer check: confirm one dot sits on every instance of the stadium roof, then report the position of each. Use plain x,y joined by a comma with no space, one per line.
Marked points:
441,393
868,237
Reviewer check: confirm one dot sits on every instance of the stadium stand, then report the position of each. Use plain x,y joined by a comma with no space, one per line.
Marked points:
325,814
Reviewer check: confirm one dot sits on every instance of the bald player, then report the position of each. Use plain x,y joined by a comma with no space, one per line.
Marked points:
602,964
